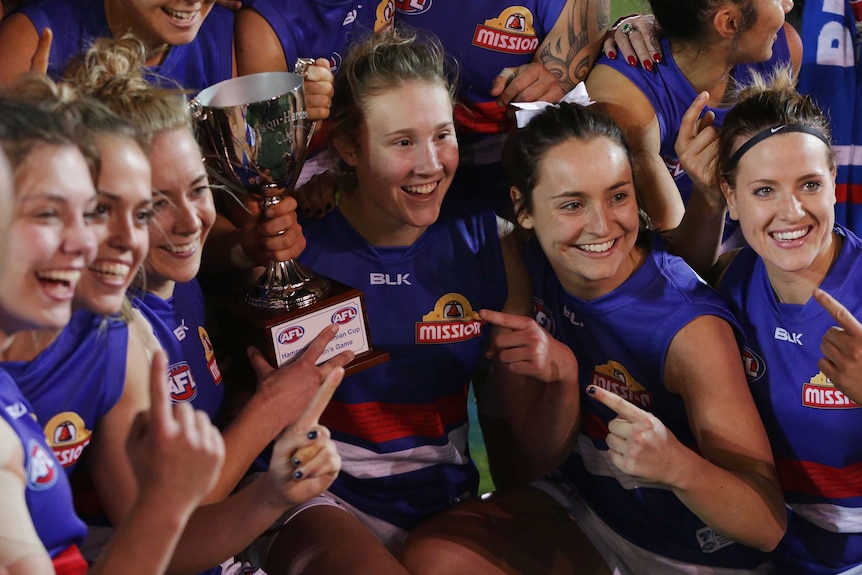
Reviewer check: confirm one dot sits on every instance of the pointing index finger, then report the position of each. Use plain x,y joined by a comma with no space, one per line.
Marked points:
839,313
620,406
506,320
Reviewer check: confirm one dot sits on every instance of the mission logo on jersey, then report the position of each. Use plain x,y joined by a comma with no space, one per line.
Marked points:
452,320
511,32
209,351
41,467
68,436
821,393
615,378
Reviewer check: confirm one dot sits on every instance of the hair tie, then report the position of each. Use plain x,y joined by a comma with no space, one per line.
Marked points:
774,131
528,110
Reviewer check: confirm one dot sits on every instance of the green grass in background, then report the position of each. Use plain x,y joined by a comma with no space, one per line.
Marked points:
623,7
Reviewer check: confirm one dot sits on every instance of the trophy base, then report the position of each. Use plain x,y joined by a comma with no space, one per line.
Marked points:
283,335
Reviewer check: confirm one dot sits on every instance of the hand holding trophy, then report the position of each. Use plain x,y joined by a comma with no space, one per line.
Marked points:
254,131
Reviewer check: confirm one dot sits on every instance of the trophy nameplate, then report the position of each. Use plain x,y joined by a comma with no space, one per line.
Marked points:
254,132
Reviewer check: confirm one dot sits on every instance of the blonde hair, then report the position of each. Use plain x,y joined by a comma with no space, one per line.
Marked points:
112,71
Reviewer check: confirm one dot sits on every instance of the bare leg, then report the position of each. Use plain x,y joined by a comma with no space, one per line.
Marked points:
326,540
521,531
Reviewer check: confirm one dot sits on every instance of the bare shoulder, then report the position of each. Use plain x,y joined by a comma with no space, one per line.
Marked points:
18,42
257,46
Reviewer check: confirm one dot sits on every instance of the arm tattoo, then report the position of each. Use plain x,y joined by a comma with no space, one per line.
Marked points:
567,62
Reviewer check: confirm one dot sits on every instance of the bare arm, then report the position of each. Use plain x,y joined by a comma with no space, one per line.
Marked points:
258,48
225,526
628,106
164,443
732,486
535,375
19,41
571,48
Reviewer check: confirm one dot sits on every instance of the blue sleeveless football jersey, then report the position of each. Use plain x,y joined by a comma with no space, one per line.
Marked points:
74,382
402,427
178,324
48,495
812,426
621,341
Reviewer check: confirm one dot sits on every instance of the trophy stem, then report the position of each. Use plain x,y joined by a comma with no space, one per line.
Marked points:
286,285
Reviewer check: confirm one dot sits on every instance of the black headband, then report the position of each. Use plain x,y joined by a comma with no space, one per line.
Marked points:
773,131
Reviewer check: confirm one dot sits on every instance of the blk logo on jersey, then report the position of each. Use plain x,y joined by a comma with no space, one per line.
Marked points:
452,320
16,410
570,315
41,468
754,365
821,393
782,334
615,378
543,316
180,331
183,386
412,7
68,436
380,279
511,32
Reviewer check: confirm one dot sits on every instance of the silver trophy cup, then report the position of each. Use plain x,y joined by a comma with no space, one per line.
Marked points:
254,131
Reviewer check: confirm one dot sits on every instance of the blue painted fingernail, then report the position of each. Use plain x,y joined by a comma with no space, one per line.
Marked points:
297,474
591,390
296,462
312,434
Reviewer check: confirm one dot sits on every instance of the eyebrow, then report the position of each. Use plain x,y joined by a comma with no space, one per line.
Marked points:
580,194
439,126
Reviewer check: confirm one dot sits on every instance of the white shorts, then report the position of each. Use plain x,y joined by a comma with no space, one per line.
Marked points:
622,556
391,536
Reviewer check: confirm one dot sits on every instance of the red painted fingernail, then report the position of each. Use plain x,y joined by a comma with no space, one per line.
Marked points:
647,65
612,55
657,58
632,60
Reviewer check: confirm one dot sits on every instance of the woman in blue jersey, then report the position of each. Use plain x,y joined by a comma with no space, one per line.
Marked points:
626,389
50,243
400,427
777,171
172,309
708,45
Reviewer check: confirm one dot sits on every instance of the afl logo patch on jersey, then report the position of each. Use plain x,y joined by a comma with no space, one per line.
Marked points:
412,7
544,317
183,386
754,365
511,32
452,320
41,467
